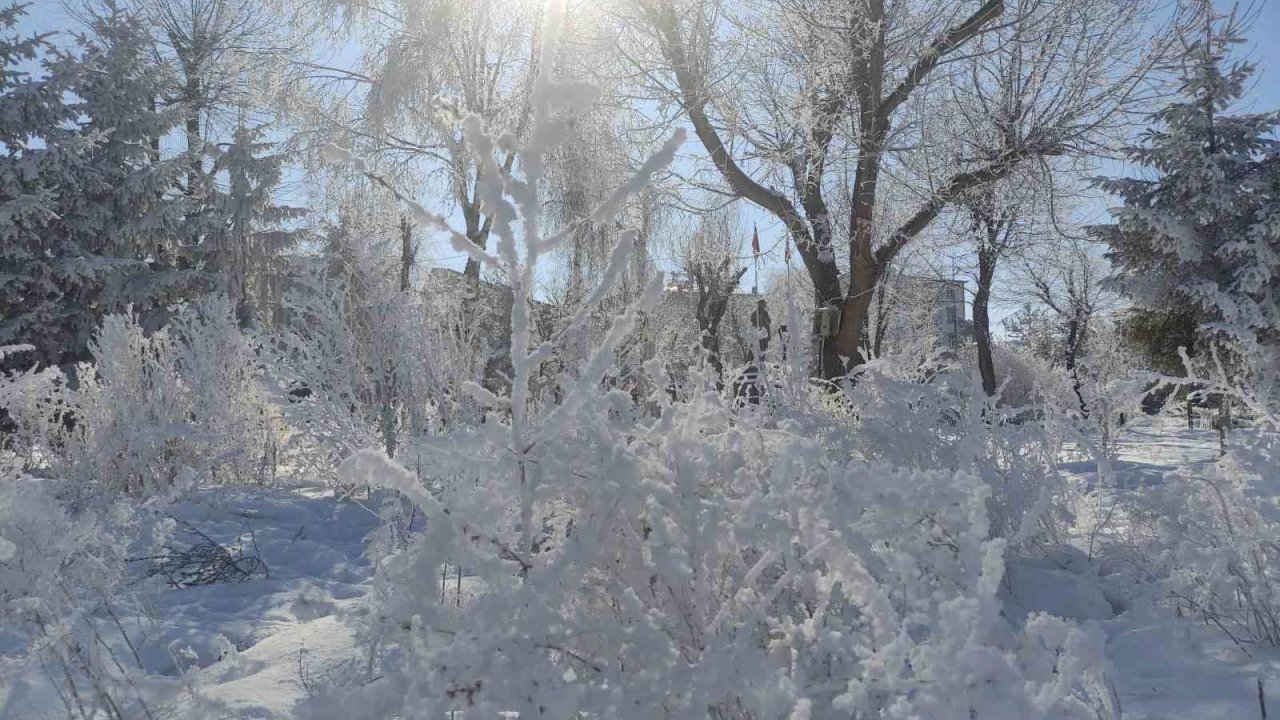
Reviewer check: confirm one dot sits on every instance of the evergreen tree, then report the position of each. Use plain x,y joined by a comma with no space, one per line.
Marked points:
40,152
129,207
110,226
1199,245
1158,336
249,230
1032,329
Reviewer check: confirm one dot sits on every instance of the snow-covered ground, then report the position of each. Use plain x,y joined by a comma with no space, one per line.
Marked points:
251,647
1165,668
256,648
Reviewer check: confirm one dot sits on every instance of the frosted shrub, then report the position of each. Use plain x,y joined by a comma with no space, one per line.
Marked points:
221,376
64,543
58,573
1021,376
131,434
160,411
1214,529
1216,538
317,351
379,367
936,417
49,557
734,567
680,558
32,407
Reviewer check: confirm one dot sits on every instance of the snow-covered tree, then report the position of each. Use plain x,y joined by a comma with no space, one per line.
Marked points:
250,230
1067,282
709,260
1197,250
39,151
421,65
110,233
798,102
1204,234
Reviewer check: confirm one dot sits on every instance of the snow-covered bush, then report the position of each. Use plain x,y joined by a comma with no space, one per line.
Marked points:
367,364
159,411
738,568
1211,532
936,417
220,372
680,557
1021,376
32,406
1217,540
131,434
60,572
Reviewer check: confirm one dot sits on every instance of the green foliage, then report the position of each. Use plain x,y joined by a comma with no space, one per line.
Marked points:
1156,336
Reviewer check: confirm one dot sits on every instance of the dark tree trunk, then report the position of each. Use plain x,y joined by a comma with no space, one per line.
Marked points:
195,143
1224,424
982,319
406,252
1075,341
882,317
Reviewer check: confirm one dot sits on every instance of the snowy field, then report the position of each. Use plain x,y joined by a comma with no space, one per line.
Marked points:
257,648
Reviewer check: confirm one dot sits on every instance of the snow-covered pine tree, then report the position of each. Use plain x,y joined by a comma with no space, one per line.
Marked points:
133,209
250,230
37,151
1202,239
110,231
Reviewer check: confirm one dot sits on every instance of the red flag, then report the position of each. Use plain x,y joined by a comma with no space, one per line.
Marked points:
786,255
755,239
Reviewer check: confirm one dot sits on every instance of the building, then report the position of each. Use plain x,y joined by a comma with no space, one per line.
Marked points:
953,327
921,314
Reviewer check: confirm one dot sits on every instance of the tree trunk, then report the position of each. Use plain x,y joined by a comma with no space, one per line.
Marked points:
386,390
472,272
1224,424
1075,339
882,316
709,316
406,252
713,301
982,320
195,143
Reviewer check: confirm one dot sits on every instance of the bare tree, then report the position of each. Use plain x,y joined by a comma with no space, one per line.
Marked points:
993,230
849,96
709,258
1067,283
999,227
580,177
